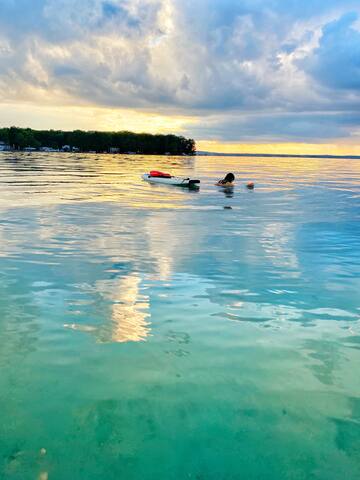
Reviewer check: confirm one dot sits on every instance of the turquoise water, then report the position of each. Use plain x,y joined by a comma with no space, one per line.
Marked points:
147,332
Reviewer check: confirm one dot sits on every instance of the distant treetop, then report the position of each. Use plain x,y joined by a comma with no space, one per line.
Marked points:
112,142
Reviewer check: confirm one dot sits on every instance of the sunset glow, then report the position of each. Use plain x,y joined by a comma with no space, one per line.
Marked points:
281,148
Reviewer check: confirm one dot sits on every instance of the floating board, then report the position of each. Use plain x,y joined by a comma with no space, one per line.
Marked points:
178,181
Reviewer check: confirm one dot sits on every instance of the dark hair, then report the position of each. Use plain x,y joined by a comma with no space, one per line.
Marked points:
230,177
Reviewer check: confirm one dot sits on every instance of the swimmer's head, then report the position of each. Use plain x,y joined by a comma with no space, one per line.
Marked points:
230,177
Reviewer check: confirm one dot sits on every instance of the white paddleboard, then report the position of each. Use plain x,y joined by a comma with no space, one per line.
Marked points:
178,181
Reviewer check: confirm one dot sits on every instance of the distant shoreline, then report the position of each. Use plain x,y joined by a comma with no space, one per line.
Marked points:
80,141
197,154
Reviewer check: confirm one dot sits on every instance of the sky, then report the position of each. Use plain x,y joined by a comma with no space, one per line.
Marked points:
235,75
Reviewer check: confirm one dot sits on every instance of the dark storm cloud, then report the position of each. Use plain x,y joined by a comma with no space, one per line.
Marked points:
292,127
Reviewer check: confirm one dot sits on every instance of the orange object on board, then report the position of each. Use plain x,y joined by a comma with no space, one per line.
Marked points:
156,173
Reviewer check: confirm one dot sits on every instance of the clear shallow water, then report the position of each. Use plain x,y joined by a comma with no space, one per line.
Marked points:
149,333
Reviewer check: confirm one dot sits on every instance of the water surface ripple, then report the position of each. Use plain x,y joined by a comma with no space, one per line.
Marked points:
150,332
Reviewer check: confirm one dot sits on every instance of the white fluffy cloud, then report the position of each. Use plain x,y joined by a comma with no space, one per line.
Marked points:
244,69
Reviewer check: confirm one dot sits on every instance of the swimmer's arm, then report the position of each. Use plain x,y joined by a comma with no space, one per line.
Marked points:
222,184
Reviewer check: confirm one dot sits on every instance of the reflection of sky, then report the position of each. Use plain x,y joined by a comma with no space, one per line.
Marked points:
129,309
286,251
128,313
278,243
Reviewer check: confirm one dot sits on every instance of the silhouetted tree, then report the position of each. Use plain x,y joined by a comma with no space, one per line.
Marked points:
145,143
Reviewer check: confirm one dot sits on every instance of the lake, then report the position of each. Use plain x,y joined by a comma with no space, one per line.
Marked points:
152,332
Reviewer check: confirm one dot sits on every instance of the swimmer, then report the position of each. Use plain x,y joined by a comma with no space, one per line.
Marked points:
228,181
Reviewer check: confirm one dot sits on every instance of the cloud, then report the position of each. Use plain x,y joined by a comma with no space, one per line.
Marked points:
248,68
336,62
270,127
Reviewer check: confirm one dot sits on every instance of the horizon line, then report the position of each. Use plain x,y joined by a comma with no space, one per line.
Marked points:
202,153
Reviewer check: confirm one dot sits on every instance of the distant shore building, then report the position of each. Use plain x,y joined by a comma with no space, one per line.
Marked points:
4,147
114,150
67,148
48,149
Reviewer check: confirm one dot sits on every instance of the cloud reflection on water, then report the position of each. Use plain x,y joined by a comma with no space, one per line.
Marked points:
129,309
95,219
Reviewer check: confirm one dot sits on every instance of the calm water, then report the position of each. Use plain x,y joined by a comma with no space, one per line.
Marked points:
148,333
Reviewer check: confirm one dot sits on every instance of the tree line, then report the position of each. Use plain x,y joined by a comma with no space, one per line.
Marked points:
85,141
